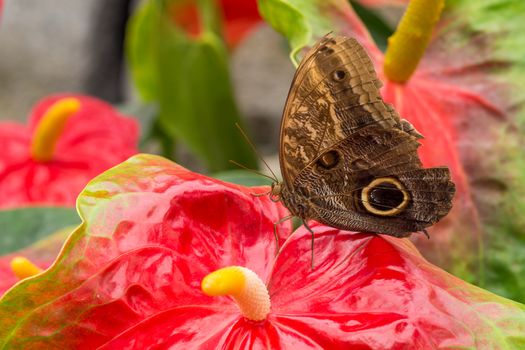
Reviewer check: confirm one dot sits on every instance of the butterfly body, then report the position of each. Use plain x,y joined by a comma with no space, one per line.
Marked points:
348,160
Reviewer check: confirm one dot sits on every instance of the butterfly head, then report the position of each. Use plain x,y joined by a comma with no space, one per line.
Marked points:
275,192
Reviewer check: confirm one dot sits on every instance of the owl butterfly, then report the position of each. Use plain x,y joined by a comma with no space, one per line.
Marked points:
347,159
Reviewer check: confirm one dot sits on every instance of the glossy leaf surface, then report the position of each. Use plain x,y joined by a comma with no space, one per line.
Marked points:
96,138
129,277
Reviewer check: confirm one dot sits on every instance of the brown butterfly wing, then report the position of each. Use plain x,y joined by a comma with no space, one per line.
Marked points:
320,110
338,137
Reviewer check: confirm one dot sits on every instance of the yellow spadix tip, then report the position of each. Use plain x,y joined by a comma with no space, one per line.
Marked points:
23,268
226,281
50,128
411,38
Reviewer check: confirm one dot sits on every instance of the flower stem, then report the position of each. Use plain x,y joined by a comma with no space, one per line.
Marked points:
410,40
50,128
244,286
23,268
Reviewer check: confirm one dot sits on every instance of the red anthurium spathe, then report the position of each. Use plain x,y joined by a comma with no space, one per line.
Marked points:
69,139
461,93
240,17
456,73
130,278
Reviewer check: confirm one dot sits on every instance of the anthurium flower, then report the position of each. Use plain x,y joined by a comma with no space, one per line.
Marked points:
154,234
456,73
68,140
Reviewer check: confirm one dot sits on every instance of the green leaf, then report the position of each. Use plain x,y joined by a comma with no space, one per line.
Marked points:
22,227
297,20
142,42
303,22
189,78
378,27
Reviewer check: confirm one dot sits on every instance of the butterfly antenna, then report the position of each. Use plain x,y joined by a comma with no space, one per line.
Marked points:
256,151
251,170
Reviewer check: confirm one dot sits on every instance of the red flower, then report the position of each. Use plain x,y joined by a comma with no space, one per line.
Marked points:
95,138
465,98
462,98
129,278
239,18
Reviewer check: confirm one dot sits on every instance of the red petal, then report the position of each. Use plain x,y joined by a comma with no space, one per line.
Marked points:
239,18
375,292
366,292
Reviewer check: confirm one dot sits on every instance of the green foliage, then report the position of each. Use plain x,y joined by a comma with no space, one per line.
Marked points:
189,79
22,227
297,20
377,26
243,177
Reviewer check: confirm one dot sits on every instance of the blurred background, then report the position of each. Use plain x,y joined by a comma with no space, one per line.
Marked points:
55,46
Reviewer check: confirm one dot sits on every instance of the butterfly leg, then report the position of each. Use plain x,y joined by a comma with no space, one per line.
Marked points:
312,243
276,236
260,194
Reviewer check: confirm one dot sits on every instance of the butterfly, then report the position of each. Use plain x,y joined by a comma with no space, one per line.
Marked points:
347,159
